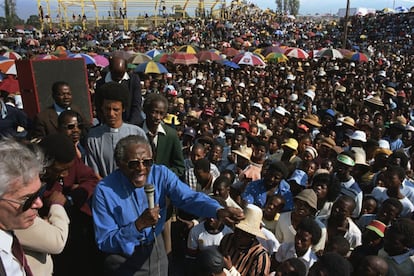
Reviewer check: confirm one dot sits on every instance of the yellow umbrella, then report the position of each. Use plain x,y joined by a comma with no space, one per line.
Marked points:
276,57
187,49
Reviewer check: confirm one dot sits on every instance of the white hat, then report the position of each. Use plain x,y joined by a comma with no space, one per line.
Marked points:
352,64
322,72
383,144
169,75
252,221
257,105
293,97
290,76
242,85
359,135
382,73
200,86
311,94
282,111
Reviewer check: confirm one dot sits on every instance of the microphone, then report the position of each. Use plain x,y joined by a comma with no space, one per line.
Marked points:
149,191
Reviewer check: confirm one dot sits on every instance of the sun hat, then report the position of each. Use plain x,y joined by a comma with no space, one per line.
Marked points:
328,142
281,111
311,94
221,99
171,119
310,197
383,151
349,121
300,177
375,100
293,97
358,135
312,119
346,160
252,221
242,85
290,76
291,143
244,152
244,125
192,113
341,89
258,106
391,91
312,151
360,157
377,226
266,100
180,100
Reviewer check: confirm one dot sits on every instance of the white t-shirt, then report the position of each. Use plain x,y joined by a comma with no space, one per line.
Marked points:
199,238
380,194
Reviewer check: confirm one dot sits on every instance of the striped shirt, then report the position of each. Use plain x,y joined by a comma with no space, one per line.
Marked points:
252,261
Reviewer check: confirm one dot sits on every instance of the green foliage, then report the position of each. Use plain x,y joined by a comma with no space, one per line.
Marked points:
34,21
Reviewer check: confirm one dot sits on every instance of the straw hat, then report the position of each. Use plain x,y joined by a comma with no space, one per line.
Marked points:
391,91
375,100
328,142
291,143
358,135
244,152
349,121
252,221
171,119
312,120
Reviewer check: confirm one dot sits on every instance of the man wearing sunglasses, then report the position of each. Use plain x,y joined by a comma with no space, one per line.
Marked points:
125,227
19,202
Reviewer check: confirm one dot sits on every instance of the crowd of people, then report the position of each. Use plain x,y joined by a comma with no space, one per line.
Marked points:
300,167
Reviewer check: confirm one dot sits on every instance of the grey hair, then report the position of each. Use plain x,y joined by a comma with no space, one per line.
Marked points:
18,163
123,144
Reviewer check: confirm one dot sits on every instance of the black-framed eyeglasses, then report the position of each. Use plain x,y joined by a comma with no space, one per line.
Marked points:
133,164
72,126
28,201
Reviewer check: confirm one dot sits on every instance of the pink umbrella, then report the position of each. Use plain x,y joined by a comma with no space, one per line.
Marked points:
248,58
183,58
101,61
207,55
296,53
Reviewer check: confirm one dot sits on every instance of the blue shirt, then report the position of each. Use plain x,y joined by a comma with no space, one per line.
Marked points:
256,194
117,204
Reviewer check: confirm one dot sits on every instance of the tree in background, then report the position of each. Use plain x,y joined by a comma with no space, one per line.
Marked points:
294,7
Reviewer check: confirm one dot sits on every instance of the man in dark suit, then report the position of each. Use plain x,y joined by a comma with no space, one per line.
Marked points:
46,121
166,146
117,73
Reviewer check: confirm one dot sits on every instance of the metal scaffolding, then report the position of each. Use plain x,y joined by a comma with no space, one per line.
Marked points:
69,13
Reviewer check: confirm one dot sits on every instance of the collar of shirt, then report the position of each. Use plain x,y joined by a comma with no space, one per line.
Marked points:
348,183
59,109
308,255
399,259
6,240
160,129
108,77
111,129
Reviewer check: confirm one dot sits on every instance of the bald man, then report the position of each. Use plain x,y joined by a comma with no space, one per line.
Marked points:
372,266
118,73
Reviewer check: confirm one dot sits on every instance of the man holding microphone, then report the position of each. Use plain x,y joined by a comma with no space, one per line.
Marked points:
125,227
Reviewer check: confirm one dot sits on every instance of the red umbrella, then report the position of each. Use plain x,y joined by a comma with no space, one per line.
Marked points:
296,53
10,84
231,52
183,58
8,66
248,58
208,55
359,57
12,55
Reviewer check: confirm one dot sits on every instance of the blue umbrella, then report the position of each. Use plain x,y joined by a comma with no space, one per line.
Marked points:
88,59
154,52
230,64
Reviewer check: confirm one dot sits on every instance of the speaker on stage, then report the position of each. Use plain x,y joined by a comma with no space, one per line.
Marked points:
36,78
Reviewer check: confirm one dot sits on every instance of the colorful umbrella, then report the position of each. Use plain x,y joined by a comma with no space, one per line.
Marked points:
161,58
45,56
215,51
153,53
207,56
248,58
139,58
276,57
361,57
101,61
12,55
231,52
88,59
151,67
346,52
330,53
8,67
187,49
183,58
296,53
272,49
32,42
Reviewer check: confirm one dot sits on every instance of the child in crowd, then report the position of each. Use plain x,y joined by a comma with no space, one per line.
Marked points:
271,211
387,213
369,205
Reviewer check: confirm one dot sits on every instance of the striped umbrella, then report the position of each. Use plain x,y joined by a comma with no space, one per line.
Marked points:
88,59
139,58
183,58
151,67
187,49
207,55
12,55
161,58
276,57
8,67
248,58
153,53
330,53
361,57
296,53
